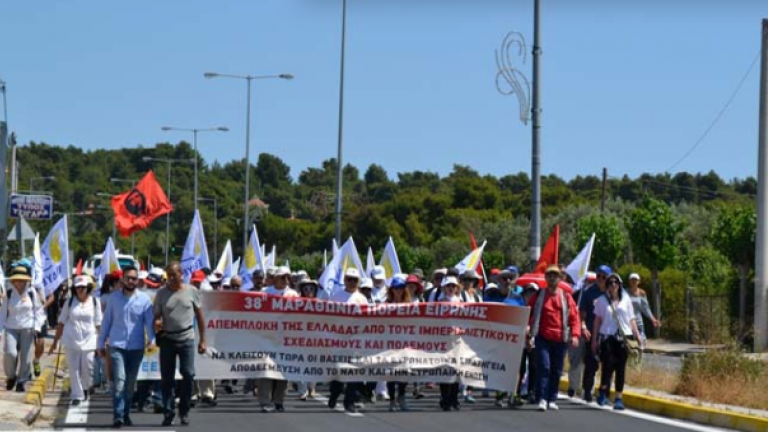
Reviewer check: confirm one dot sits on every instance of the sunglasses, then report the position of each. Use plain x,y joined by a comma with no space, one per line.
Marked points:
131,278
508,277
350,279
81,286
613,282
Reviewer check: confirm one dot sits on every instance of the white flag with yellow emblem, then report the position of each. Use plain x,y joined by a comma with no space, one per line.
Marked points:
254,259
195,255
471,261
108,263
389,261
332,278
55,257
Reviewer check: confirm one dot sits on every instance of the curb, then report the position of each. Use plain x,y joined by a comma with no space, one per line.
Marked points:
684,411
36,392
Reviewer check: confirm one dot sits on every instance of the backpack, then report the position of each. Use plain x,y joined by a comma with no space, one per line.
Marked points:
72,298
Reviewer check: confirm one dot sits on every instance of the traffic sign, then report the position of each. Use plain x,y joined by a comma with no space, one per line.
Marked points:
31,206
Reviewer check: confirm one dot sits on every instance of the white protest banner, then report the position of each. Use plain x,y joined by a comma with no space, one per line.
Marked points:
251,335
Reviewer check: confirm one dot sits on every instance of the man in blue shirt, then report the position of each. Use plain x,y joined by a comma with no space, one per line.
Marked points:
586,303
128,326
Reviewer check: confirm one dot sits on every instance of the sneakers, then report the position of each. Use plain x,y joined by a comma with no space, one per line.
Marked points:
469,399
76,402
543,405
332,401
117,424
417,394
279,408
10,384
36,366
19,387
588,396
127,421
602,398
392,405
168,421
499,403
185,420
618,404
571,393
267,409
553,406
350,408
303,397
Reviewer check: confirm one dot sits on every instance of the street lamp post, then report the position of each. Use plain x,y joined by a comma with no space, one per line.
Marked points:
168,215
194,133
114,225
248,79
32,181
215,224
133,185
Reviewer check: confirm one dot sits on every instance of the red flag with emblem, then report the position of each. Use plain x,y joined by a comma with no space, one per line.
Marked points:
137,208
549,255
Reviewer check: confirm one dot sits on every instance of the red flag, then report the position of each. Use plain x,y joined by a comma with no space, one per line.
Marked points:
137,208
549,255
480,269
79,268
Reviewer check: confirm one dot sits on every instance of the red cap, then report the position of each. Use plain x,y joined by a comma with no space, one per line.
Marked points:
117,274
414,280
198,276
495,271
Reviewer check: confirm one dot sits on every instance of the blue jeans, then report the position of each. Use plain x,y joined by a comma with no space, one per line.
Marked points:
185,351
125,369
550,357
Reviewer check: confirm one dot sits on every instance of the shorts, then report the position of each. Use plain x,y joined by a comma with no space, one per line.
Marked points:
43,333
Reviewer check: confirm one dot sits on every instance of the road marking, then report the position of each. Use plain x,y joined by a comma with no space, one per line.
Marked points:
648,417
78,414
324,400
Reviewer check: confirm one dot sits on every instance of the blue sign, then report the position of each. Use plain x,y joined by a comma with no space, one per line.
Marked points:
31,206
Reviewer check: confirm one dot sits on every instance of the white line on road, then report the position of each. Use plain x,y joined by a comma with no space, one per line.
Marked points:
78,414
648,417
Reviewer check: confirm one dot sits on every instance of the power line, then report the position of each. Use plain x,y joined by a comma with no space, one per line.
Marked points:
713,194
718,116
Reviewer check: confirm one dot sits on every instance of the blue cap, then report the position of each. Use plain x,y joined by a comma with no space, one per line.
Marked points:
398,282
512,269
604,269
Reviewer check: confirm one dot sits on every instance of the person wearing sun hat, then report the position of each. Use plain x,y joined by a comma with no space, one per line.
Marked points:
20,316
78,329
554,325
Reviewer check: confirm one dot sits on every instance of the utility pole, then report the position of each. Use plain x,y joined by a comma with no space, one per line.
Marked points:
602,198
761,254
536,138
340,167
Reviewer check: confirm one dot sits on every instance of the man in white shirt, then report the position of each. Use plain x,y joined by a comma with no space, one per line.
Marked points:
350,294
272,391
379,277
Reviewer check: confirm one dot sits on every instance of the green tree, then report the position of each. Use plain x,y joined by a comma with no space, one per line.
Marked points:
653,232
733,235
610,240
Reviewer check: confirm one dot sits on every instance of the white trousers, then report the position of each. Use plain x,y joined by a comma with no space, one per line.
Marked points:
80,371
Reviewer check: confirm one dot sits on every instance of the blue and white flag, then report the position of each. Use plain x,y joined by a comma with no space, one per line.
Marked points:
55,257
332,278
195,255
254,259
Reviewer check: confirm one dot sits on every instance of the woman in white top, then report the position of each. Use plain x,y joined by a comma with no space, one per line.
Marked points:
20,316
449,392
78,329
612,336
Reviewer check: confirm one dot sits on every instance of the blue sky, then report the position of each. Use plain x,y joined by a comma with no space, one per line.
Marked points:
628,84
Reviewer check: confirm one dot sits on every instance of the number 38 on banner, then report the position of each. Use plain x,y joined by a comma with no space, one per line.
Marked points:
253,303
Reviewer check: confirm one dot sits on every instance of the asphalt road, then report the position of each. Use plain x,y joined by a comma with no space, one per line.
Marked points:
241,412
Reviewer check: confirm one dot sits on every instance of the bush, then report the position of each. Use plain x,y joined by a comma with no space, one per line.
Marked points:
725,376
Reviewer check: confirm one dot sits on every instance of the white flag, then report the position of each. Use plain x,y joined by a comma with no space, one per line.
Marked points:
109,263
390,261
332,278
55,252
254,259
37,263
370,263
226,266
470,261
579,267
271,259
334,248
195,255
